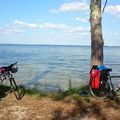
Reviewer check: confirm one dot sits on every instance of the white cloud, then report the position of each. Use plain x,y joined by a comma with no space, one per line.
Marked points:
11,31
81,19
113,33
54,11
15,31
48,25
79,31
59,33
19,27
113,9
28,25
74,6
55,26
84,20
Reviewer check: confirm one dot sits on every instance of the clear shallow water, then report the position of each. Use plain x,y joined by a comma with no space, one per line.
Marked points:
47,66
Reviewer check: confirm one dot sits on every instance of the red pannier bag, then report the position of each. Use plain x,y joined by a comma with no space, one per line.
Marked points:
2,70
95,78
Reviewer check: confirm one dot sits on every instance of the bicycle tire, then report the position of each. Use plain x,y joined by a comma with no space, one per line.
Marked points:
102,92
18,92
117,91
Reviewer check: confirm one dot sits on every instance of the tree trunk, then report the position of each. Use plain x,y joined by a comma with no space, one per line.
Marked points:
96,33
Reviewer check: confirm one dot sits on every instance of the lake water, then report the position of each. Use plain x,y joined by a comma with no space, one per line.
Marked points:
45,66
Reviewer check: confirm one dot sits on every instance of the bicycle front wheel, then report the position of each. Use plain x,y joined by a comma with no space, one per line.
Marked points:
102,92
18,91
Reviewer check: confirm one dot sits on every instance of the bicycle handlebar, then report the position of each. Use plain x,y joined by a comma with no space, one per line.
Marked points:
9,68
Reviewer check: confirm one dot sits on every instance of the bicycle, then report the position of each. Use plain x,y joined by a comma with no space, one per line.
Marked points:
6,73
101,85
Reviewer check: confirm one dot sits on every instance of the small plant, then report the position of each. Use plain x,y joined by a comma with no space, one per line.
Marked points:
70,83
84,87
63,94
34,92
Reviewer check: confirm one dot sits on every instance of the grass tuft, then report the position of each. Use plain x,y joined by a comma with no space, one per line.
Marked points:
74,93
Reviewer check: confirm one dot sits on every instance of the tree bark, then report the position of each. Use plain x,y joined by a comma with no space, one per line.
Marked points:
96,33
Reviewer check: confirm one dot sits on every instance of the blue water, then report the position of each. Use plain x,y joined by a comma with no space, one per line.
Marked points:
46,66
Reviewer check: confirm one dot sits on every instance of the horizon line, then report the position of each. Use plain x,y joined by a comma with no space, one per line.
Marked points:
27,44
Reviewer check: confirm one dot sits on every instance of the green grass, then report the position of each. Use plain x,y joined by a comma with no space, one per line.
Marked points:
84,87
55,96
3,90
34,92
73,91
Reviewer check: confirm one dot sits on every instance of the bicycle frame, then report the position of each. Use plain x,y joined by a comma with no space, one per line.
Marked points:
7,74
118,88
3,77
106,88
112,92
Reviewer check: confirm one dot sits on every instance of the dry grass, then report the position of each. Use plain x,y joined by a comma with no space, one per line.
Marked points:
72,107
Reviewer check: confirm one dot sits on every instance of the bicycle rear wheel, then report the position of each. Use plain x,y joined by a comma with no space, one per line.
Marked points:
18,91
102,92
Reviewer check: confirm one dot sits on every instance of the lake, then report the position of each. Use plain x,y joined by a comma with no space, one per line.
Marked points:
45,66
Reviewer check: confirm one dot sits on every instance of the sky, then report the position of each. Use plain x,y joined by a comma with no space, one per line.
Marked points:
55,22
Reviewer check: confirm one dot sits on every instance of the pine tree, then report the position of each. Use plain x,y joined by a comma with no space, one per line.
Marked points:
97,42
